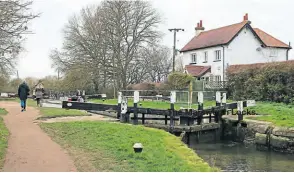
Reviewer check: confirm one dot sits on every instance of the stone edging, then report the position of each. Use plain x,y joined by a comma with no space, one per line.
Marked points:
265,134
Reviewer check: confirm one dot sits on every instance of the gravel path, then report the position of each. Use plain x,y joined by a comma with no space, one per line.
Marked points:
29,148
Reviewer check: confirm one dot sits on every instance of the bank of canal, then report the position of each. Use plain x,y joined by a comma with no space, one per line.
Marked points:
235,157
249,145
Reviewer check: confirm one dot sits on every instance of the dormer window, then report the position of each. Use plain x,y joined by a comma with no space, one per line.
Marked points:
194,58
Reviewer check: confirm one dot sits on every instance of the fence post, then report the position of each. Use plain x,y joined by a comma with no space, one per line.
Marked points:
165,119
84,95
210,118
119,99
224,99
190,94
136,100
172,108
143,118
218,113
124,109
200,108
200,100
218,98
240,110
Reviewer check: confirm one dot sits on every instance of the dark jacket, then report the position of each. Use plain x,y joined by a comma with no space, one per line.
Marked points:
23,91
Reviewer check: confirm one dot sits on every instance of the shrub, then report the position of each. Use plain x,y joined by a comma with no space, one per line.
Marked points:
179,80
263,81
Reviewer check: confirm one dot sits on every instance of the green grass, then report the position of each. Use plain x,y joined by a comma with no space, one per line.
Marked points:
3,139
7,99
155,104
3,111
30,102
108,147
280,113
57,112
50,112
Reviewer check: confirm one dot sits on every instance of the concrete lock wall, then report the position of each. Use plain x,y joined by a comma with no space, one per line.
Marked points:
264,135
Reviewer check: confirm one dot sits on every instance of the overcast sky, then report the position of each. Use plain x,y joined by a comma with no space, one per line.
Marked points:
272,16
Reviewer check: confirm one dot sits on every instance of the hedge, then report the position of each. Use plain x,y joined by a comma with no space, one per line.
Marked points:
262,82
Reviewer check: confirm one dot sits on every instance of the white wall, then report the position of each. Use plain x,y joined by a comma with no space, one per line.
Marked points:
242,50
216,67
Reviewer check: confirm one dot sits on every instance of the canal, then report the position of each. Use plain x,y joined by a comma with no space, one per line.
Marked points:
235,157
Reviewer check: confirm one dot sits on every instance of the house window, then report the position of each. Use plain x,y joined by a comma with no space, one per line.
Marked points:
194,58
273,52
218,55
217,78
205,57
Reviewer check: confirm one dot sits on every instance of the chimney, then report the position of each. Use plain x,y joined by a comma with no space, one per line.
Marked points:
199,28
246,17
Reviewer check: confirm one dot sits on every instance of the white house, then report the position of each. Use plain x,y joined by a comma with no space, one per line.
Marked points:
209,53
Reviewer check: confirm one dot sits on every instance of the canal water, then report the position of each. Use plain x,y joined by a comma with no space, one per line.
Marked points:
235,157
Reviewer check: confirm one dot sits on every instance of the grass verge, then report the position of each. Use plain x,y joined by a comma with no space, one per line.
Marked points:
108,147
3,138
58,112
3,111
155,104
7,99
50,112
30,102
278,113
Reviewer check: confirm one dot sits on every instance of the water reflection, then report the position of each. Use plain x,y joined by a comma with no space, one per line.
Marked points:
231,156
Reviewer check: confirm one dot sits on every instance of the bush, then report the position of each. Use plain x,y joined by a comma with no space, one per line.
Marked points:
179,80
263,82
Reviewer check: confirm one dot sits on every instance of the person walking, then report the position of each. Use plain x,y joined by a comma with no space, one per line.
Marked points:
39,95
23,92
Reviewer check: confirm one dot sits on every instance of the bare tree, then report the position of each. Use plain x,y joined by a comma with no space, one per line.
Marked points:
14,18
131,25
157,61
179,63
107,41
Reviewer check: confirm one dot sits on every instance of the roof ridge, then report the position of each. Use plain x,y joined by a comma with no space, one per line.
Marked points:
225,34
225,26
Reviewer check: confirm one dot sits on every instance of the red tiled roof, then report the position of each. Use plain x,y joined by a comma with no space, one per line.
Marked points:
196,70
214,37
269,40
224,35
